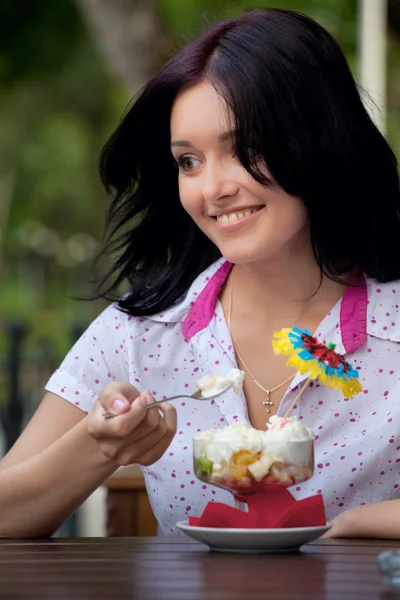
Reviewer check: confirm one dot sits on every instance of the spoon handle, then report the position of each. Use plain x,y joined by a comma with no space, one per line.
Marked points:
111,415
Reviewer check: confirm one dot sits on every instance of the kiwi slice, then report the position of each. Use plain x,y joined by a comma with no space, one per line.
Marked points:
204,465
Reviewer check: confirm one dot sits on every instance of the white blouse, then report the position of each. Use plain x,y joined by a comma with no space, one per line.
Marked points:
357,441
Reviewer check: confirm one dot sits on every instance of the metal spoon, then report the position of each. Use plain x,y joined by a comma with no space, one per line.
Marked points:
196,396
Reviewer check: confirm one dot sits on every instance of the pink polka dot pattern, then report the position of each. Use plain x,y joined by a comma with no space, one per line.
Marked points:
357,441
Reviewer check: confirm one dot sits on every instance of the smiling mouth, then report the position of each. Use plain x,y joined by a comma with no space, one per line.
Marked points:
232,217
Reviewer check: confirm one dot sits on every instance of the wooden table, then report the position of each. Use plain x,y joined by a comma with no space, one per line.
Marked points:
182,569
128,508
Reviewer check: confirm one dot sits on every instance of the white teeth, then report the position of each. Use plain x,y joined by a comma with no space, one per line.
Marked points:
235,216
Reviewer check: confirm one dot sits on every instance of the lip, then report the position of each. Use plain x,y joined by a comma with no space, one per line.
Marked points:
237,224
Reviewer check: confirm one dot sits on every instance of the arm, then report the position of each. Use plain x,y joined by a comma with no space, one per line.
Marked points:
378,520
64,455
53,467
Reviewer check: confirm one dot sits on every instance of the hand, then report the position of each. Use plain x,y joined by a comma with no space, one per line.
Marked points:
355,522
333,532
136,435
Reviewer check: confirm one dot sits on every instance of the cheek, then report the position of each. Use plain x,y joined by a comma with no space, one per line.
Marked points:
191,198
299,215
289,213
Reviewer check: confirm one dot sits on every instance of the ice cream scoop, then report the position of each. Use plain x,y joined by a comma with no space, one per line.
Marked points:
214,384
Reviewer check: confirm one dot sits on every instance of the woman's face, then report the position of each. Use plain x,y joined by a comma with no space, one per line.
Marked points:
246,220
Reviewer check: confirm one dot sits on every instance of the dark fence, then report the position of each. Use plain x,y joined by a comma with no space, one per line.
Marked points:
23,375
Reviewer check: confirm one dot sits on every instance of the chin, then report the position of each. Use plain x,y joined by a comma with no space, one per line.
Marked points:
245,256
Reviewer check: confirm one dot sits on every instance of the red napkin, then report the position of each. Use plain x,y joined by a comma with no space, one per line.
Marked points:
272,509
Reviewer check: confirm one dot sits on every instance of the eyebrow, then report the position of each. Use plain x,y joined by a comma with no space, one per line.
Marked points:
223,137
228,135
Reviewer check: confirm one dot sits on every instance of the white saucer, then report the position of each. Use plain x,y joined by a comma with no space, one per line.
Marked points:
253,540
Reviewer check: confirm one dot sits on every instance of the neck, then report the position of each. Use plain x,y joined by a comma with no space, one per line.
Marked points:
287,288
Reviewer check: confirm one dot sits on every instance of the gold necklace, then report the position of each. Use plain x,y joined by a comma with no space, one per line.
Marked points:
267,403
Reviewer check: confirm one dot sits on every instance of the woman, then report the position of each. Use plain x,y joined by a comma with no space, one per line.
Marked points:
251,192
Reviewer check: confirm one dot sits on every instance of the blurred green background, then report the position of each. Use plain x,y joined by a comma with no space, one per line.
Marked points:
67,71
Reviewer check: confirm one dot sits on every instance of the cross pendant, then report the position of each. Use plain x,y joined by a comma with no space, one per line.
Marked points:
267,403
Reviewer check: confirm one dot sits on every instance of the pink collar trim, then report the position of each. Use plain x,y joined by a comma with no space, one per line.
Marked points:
202,310
353,310
353,314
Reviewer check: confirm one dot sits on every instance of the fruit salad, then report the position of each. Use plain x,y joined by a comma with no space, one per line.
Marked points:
243,459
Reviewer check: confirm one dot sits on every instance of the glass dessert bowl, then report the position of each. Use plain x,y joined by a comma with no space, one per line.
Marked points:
244,460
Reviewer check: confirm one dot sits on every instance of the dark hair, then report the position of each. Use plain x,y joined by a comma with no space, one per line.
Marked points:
292,94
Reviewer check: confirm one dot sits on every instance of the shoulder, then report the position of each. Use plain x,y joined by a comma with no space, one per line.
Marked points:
113,323
383,312
178,312
114,320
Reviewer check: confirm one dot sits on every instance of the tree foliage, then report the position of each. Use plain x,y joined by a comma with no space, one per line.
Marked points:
61,98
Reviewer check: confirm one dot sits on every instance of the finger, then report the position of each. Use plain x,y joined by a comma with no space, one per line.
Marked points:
118,396
152,454
170,417
152,421
123,425
149,449
135,450
146,435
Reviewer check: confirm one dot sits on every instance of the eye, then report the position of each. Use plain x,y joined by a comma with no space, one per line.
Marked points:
187,163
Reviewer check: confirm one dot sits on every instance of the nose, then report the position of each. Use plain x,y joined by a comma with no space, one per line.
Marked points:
218,182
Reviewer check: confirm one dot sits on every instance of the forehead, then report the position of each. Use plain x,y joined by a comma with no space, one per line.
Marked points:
199,108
